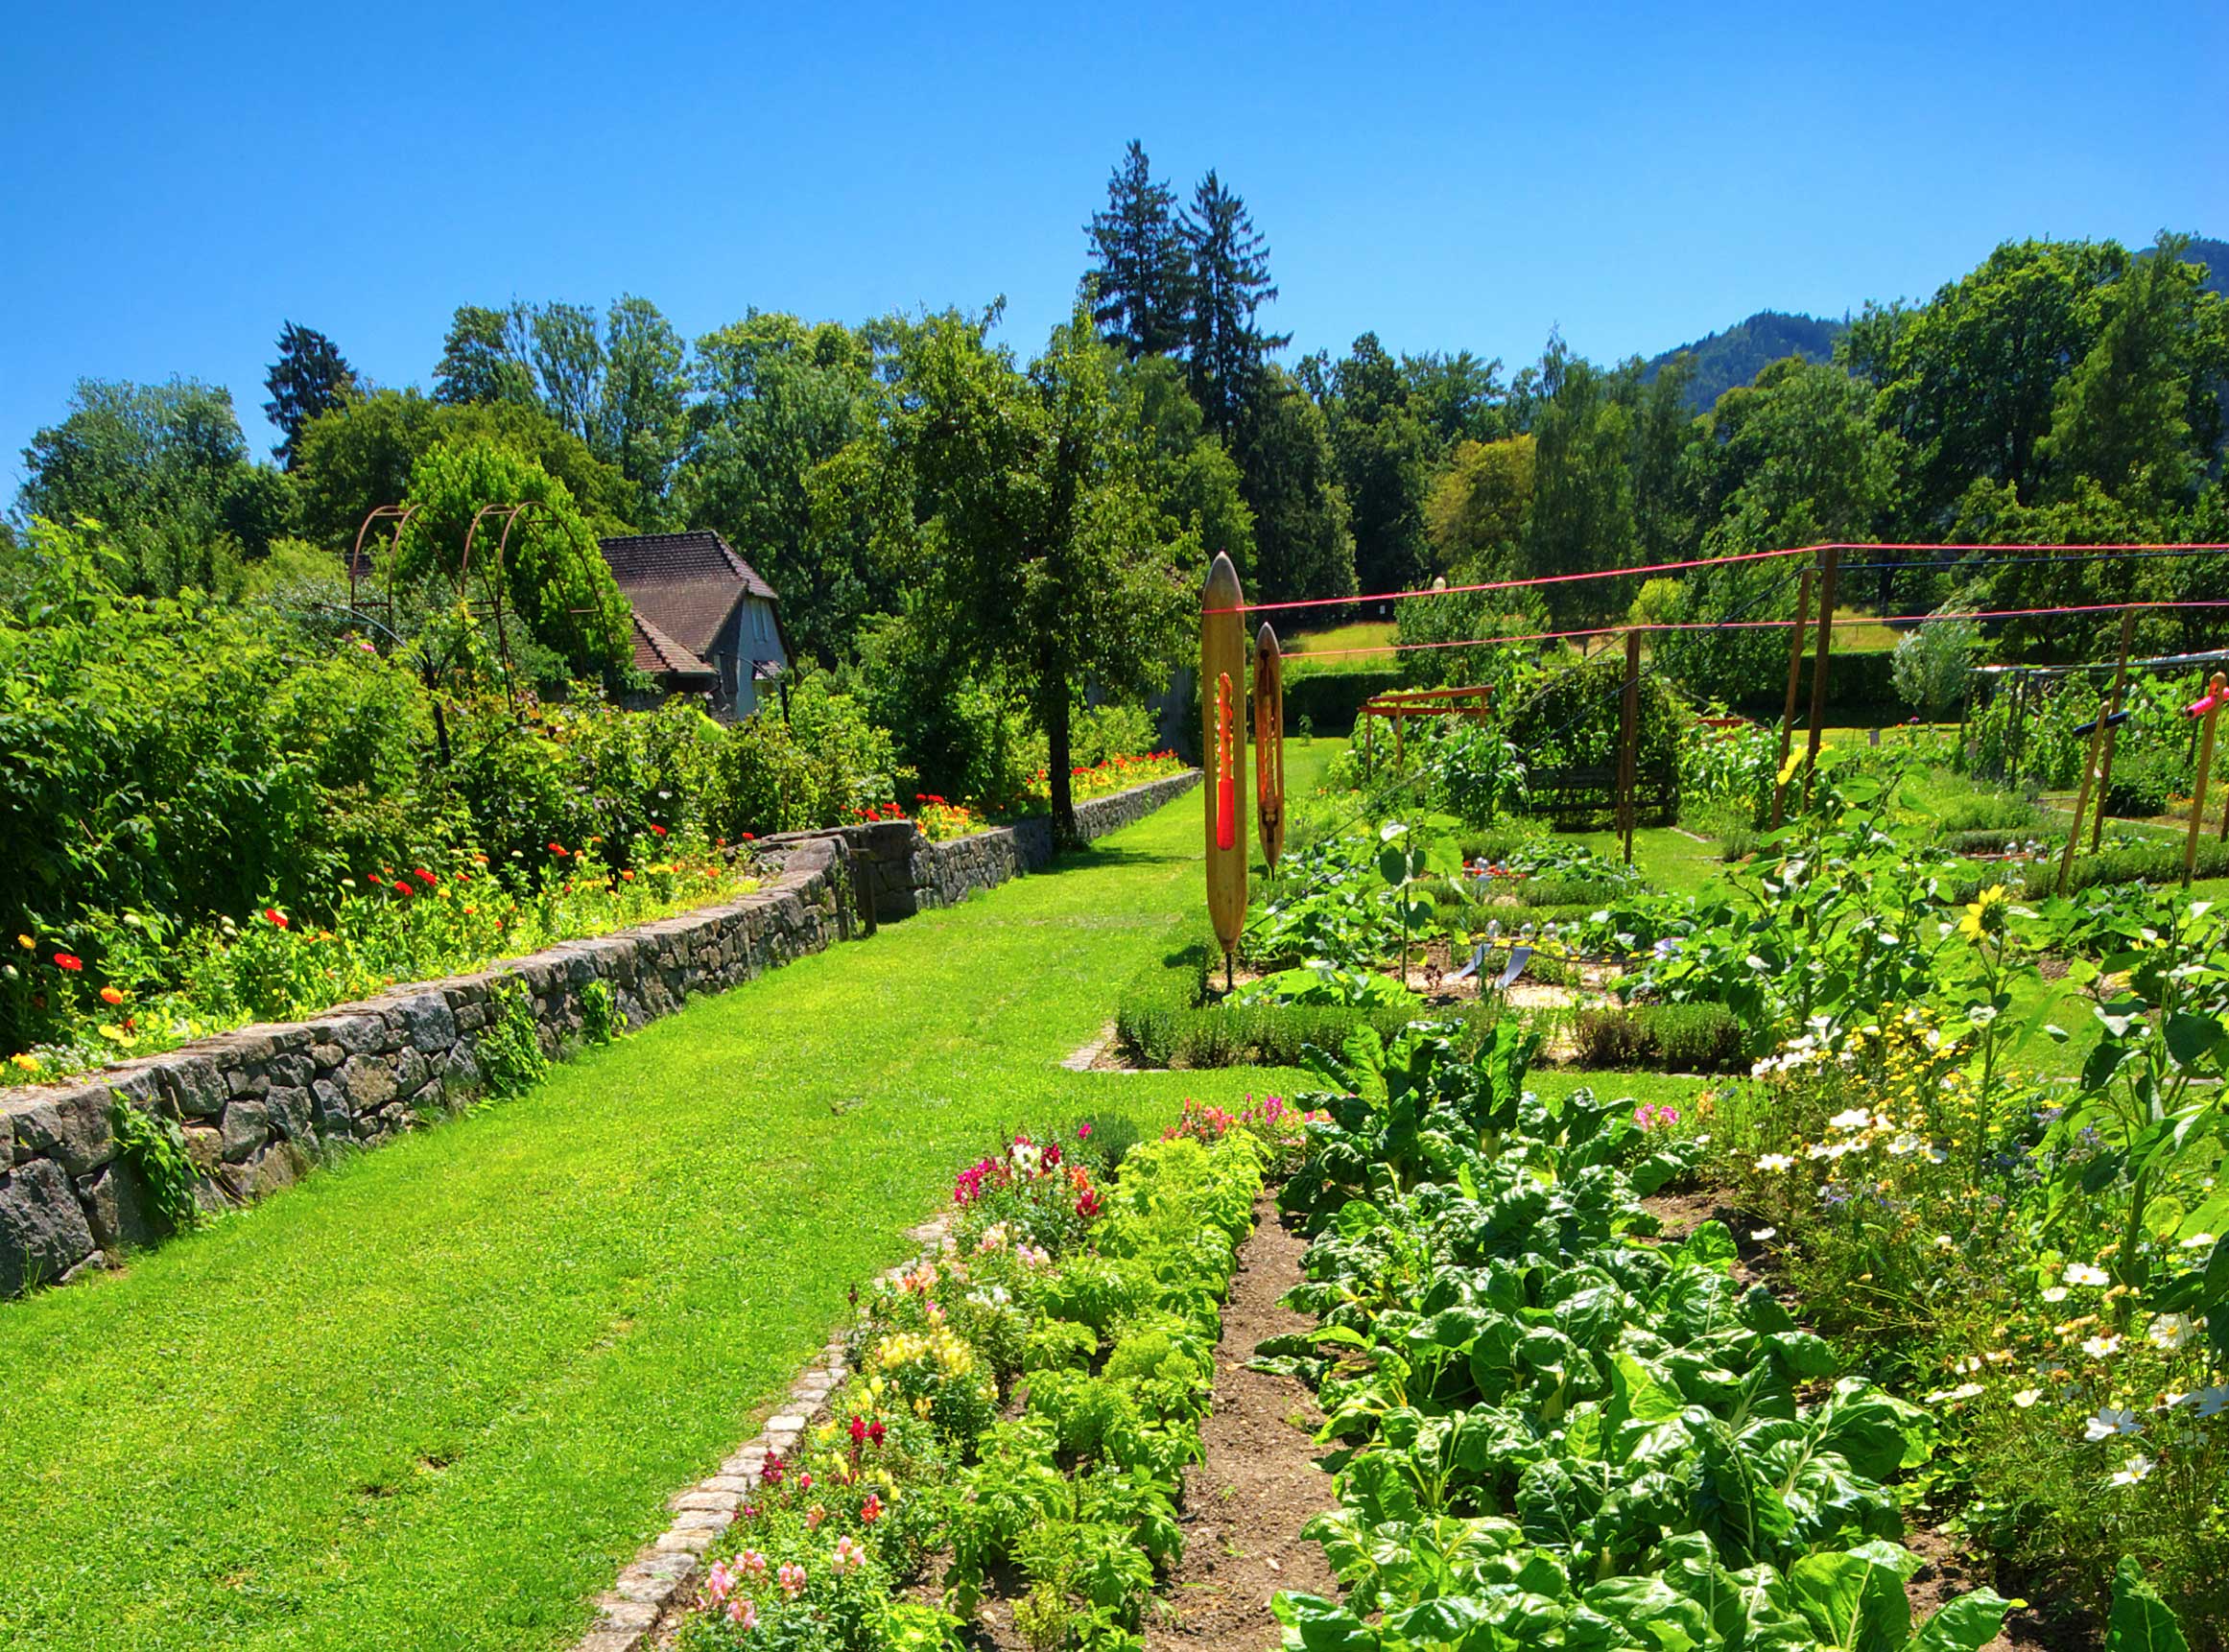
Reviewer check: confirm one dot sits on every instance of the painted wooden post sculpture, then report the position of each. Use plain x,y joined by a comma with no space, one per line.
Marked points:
1270,745
1222,699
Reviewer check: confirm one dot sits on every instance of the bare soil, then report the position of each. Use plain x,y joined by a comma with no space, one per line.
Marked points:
1246,1504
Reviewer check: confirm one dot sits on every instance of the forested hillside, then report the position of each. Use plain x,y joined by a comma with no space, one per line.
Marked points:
1738,354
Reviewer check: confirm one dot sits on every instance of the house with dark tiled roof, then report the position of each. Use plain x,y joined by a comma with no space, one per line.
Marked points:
704,621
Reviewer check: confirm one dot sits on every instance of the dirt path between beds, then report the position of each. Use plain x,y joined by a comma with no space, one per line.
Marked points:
1246,1504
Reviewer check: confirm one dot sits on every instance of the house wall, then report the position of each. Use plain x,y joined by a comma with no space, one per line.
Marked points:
757,638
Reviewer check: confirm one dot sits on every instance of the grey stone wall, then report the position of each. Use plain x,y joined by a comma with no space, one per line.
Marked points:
259,1107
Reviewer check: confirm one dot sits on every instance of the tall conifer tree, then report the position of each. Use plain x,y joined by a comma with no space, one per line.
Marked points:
1142,262
1230,280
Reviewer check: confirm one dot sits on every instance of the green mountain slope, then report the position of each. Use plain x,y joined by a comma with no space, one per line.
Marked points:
1734,357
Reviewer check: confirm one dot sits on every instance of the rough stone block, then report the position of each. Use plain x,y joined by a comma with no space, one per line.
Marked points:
44,1232
246,1127
368,1081
72,1129
428,1023
118,1207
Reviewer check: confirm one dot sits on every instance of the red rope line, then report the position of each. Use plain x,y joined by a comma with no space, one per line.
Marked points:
1756,624
1672,568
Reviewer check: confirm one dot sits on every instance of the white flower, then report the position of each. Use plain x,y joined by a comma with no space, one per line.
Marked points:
2082,1273
2198,1241
2054,1293
2101,1347
1774,1162
2110,1421
2212,1401
1761,1235
2168,1331
1856,1119
2027,1397
1963,1391
1944,1241
1903,1145
2137,1467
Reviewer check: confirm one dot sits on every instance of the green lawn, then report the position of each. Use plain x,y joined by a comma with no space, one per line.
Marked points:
1363,634
436,1397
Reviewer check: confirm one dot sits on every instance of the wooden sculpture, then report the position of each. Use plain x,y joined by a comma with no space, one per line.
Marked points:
1270,745
1223,698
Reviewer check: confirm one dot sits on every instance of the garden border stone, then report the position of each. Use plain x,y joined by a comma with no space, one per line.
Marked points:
260,1105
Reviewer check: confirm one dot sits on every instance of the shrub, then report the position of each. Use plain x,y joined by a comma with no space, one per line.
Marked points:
509,1052
1674,1037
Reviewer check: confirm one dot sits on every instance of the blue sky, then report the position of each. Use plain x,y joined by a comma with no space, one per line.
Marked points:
179,180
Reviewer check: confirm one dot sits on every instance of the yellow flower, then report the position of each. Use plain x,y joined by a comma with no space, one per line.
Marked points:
25,942
1787,769
28,1062
1982,917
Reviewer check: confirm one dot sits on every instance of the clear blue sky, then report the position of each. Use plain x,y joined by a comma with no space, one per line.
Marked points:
179,180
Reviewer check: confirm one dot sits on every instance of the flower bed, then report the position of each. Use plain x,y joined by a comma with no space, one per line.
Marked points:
940,819
156,986
1097,1297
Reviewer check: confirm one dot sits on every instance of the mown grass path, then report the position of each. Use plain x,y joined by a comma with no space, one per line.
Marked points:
436,1396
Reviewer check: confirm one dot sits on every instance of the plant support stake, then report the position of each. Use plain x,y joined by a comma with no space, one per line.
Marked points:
1270,745
1223,685
1787,713
2206,710
2112,712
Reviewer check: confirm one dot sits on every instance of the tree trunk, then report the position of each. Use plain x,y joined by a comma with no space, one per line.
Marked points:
1058,763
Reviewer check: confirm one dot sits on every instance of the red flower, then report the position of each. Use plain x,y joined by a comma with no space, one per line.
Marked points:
427,877
750,837
399,886
372,878
875,1432
69,961
657,830
276,916
857,1428
557,848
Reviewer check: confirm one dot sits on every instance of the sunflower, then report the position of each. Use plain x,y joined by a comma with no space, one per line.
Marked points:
1986,914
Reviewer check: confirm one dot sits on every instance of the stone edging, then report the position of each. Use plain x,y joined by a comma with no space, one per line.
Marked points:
655,1587
260,1106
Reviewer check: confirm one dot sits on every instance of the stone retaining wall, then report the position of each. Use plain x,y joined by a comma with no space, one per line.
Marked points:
259,1106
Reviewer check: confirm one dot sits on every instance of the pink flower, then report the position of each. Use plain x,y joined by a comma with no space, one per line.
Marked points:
848,1556
805,1482
742,1613
793,1580
1083,1132
813,1516
752,1564
719,1583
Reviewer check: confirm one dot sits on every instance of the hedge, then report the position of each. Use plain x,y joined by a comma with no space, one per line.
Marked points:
1331,700
1162,1017
1670,1037
1861,690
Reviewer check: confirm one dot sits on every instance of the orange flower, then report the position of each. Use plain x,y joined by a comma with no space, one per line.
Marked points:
109,995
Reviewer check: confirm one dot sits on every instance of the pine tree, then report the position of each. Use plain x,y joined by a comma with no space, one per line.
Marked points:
309,378
1142,263
1230,280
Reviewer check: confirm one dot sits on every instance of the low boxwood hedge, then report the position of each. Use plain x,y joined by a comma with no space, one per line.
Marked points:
1671,1037
1165,1018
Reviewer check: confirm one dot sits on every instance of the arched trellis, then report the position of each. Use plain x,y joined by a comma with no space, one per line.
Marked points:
493,574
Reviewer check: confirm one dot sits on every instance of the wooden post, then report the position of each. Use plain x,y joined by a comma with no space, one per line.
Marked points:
2082,801
2215,690
1629,739
2113,733
1364,715
1787,713
1400,743
1223,685
1270,745
1830,563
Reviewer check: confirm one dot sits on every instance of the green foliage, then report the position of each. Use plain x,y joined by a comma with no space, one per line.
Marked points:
824,765
310,378
164,470
601,1018
154,1145
1934,662
1674,1037
508,1051
552,574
